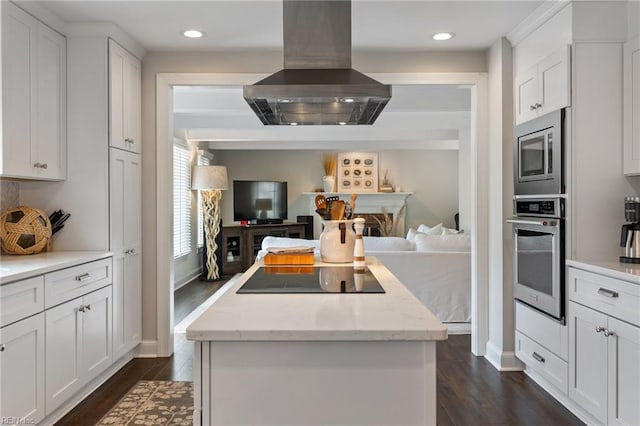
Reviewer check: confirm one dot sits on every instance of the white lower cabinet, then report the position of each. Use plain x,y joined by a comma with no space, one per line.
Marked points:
78,344
588,360
22,354
623,367
604,351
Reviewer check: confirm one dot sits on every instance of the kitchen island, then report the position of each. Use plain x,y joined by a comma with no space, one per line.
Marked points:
316,358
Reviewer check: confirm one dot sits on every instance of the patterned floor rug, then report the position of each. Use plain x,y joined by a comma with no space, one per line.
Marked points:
153,402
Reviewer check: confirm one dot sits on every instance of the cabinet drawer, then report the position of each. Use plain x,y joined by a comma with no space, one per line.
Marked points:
21,299
617,298
547,332
70,283
542,361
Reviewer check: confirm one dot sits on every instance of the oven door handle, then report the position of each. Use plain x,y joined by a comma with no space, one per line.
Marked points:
532,222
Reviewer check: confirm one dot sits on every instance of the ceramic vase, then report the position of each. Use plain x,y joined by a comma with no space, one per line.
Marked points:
337,241
329,183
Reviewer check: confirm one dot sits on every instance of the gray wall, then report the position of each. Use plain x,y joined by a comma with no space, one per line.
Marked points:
432,176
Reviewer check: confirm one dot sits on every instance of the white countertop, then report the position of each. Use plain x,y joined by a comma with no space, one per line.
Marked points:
612,268
18,267
392,316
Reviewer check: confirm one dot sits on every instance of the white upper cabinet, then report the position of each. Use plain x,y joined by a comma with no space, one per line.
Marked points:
544,87
34,98
632,107
124,99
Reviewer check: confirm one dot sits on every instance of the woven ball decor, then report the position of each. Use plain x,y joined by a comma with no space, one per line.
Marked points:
24,230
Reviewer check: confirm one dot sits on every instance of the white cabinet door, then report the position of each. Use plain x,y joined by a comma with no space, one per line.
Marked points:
133,103
588,360
526,95
632,107
624,373
48,145
125,217
34,97
96,333
544,87
19,34
553,82
22,366
63,352
124,99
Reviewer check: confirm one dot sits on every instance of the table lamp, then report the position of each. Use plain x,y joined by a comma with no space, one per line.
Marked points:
210,180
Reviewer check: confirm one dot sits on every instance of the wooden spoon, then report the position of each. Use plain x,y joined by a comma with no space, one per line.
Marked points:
353,202
321,202
337,210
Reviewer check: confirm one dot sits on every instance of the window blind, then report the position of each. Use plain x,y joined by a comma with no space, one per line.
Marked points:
181,201
202,161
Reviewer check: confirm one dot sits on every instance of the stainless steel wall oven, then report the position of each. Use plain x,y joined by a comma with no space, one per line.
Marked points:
538,253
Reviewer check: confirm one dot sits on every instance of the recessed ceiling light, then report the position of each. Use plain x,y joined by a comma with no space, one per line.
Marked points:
443,36
193,33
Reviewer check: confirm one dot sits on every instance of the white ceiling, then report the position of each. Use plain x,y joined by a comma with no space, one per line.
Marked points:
257,24
424,116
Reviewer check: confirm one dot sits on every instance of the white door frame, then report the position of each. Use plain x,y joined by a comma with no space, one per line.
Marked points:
479,188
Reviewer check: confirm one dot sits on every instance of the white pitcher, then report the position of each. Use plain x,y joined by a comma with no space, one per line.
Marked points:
337,241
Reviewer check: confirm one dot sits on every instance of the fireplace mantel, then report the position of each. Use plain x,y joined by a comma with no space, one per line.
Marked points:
368,202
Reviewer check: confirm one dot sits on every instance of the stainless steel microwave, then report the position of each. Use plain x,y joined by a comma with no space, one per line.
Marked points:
538,155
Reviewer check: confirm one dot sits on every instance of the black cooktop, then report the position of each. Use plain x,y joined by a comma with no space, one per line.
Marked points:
311,279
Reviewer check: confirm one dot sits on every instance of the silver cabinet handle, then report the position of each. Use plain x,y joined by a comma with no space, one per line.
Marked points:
600,329
2,348
83,277
532,107
532,222
538,357
608,293
40,165
81,308
537,105
129,140
608,333
88,307
130,251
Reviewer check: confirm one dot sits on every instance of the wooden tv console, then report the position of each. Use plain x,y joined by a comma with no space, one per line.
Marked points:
241,243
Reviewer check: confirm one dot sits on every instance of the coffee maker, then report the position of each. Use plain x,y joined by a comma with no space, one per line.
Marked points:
630,236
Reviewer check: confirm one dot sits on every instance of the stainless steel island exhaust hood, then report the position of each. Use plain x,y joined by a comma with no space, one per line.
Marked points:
317,85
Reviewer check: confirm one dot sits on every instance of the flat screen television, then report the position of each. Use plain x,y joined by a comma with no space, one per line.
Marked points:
259,202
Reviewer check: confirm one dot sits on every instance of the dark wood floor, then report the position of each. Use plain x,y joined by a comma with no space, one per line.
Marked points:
469,390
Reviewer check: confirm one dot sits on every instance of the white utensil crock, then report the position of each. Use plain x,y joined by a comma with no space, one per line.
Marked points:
337,241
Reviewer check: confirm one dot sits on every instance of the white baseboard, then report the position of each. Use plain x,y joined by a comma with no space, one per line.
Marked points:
147,349
503,360
186,280
86,390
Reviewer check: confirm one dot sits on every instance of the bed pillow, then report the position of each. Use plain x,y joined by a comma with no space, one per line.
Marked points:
430,230
449,231
454,242
411,234
387,244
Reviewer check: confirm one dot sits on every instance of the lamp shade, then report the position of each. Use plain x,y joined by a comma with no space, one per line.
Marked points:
209,177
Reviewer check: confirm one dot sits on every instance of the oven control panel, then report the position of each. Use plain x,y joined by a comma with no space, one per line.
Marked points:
543,207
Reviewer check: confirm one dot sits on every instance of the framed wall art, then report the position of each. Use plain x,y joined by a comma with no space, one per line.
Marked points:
357,172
